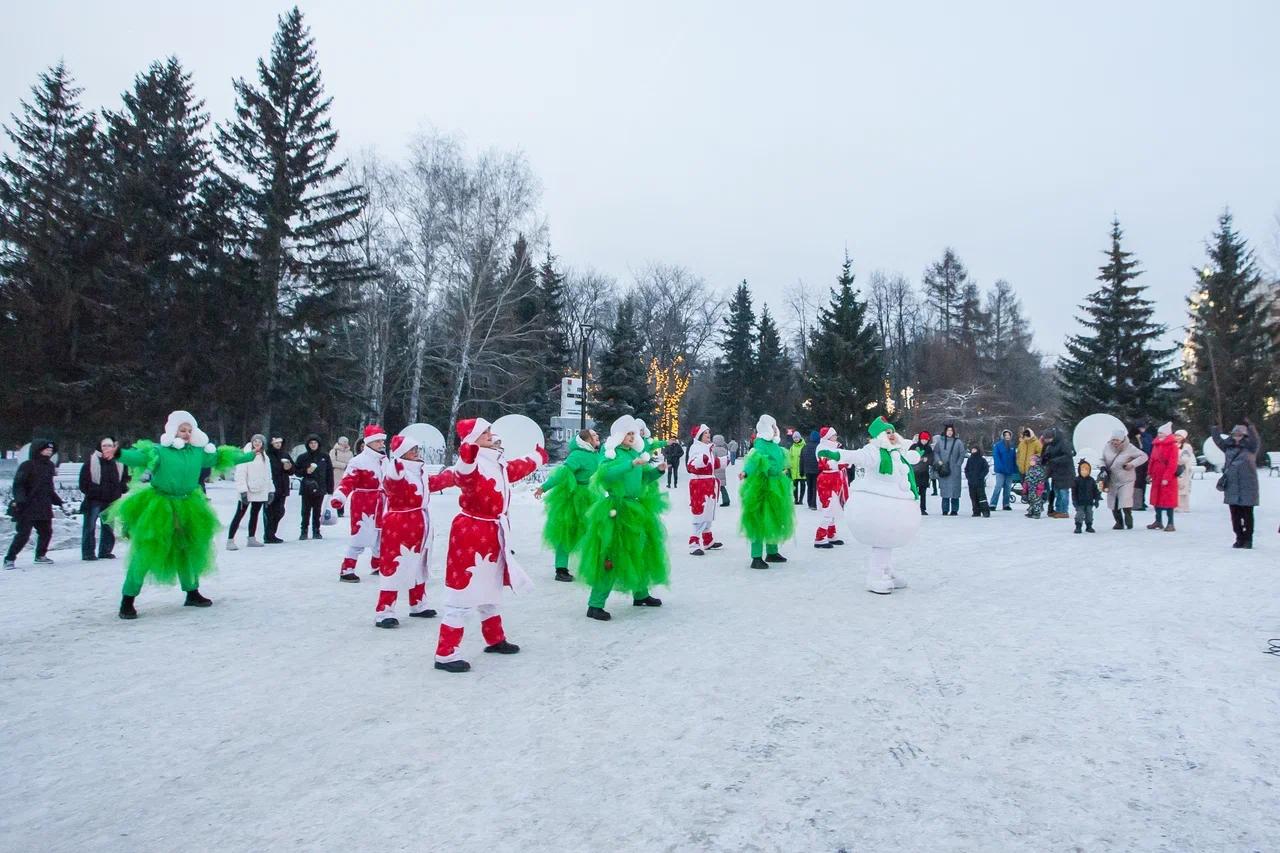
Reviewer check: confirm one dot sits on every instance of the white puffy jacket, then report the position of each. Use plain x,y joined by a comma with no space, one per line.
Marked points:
254,477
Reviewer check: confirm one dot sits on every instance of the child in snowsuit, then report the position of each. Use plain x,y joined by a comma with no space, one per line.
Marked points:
1033,487
975,474
1085,495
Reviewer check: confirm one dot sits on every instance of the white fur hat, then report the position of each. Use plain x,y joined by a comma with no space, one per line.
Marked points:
617,432
177,419
767,428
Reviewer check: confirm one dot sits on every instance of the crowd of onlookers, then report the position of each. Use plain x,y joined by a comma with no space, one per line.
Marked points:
1148,468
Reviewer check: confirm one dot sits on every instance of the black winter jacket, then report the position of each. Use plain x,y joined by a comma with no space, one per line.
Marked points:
322,476
975,469
673,453
111,483
1085,492
1058,463
280,476
809,459
33,491
925,465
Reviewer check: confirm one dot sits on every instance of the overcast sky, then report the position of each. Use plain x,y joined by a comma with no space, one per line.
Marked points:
757,140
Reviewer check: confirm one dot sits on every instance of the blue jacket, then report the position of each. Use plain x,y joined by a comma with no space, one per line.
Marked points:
1005,458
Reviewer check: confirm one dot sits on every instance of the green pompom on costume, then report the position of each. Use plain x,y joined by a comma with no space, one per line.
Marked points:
168,519
625,543
568,496
768,508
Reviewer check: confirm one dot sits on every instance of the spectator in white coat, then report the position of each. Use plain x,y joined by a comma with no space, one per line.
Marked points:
253,482
1186,465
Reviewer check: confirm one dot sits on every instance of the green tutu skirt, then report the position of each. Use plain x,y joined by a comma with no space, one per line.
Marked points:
171,538
768,509
567,506
624,542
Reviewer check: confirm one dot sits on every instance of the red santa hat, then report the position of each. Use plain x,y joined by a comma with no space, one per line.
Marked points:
373,432
470,429
402,444
827,434
699,430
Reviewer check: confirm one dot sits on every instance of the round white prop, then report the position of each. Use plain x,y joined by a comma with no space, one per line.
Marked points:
430,439
298,450
1213,454
1088,454
520,435
1096,431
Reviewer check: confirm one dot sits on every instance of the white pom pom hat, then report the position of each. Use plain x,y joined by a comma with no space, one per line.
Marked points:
176,419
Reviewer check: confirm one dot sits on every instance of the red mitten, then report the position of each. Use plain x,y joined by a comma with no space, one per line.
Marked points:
468,453
542,452
335,503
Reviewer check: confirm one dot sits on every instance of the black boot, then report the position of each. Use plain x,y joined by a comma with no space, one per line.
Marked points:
502,647
832,541
757,563
126,607
424,614
563,575
1128,519
1116,514
388,622
315,534
195,599
1077,527
303,536
599,613
778,558
454,666
647,601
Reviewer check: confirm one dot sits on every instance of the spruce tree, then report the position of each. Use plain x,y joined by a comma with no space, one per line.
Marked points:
735,370
1230,359
52,247
278,151
622,379
845,382
157,155
772,384
1116,366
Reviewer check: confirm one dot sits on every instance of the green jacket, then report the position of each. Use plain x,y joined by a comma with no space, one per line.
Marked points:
622,477
793,460
176,472
580,465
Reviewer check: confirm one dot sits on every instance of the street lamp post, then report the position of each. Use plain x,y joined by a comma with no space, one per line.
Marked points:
587,329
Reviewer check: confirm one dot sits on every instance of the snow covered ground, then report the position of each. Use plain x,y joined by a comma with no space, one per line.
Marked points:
1032,690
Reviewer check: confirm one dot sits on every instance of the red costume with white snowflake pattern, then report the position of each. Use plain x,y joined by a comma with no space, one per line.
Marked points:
361,492
405,550
833,487
704,490
481,561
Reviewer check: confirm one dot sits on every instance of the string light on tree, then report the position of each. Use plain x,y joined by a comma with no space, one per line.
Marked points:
669,387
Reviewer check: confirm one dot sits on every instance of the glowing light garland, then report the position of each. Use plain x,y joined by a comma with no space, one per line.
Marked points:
669,387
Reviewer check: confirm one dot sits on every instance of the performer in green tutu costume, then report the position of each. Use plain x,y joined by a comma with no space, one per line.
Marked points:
168,519
625,544
568,496
768,511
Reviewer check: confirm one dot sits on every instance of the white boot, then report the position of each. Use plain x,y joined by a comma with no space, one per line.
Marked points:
232,546
899,579
879,580
254,543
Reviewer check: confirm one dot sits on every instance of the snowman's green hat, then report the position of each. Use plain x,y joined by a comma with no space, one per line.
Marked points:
880,425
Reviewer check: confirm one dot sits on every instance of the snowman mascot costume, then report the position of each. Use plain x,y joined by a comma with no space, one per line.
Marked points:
883,510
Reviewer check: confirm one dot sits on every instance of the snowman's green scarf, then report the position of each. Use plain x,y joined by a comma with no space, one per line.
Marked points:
886,467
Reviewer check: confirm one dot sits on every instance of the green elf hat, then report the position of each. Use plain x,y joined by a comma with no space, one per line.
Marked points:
880,425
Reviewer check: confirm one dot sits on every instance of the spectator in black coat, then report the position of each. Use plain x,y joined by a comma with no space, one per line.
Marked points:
673,453
1059,464
809,468
34,498
922,468
281,476
975,474
102,481
315,470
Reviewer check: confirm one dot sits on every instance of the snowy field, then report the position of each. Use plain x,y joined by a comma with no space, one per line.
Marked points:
1031,690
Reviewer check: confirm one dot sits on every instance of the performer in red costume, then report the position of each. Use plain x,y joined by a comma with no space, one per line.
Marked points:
481,560
361,490
833,489
405,550
704,490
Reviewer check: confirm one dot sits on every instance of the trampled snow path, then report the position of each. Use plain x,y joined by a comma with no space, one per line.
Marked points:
1032,690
